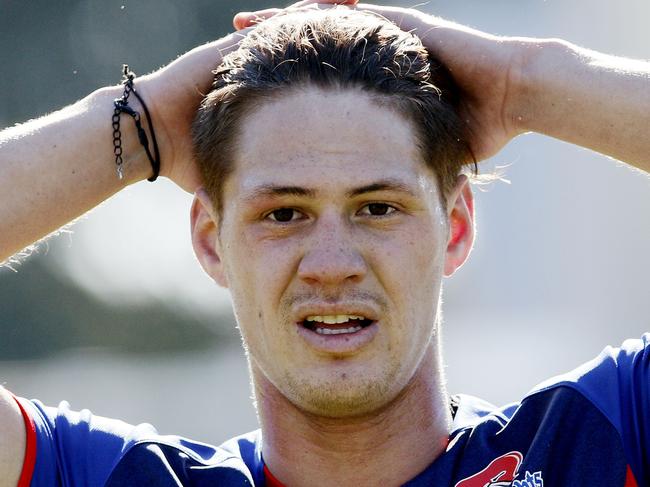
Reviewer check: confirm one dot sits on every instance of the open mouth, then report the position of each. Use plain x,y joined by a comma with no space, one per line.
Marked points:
335,324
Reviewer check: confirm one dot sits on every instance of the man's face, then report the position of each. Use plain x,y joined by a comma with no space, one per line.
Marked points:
333,243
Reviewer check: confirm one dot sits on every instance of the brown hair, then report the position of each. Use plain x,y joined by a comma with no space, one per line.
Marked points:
331,49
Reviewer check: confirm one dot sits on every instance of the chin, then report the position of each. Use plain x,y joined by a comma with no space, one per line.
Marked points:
345,395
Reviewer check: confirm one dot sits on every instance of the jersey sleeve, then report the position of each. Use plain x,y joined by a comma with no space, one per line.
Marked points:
617,382
77,448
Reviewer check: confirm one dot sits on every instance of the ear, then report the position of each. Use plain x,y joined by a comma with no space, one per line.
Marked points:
205,237
460,209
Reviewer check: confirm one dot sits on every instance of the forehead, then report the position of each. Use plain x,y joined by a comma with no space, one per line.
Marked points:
325,139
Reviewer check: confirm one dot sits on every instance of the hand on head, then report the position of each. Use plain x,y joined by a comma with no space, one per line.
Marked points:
175,91
481,64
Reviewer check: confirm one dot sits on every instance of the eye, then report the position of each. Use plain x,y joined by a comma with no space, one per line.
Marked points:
284,215
377,209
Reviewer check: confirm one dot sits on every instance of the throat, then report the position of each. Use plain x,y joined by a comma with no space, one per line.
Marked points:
347,458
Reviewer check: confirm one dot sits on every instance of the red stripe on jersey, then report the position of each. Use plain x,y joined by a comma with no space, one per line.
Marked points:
271,481
30,447
630,481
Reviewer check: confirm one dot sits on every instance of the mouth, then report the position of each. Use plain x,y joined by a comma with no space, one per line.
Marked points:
336,324
341,330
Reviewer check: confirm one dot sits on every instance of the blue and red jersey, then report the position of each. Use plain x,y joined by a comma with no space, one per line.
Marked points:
588,427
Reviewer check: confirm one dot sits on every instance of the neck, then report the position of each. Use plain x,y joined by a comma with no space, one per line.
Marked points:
377,449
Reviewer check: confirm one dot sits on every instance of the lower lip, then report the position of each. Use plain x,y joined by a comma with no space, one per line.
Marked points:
344,343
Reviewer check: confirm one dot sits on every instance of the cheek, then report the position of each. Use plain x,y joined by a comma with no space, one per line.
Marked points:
415,259
410,269
258,275
255,261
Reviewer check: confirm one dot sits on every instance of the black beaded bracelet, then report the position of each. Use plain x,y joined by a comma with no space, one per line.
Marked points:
122,106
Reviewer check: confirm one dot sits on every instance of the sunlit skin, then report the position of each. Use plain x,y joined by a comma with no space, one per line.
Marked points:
330,210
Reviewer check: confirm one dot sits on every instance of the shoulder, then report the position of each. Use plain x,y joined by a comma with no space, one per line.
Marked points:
615,386
596,416
614,382
617,375
81,448
12,439
77,447
151,461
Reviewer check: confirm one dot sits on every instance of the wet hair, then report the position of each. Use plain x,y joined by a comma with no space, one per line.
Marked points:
332,49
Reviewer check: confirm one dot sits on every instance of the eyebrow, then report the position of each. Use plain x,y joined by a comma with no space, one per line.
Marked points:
388,184
272,190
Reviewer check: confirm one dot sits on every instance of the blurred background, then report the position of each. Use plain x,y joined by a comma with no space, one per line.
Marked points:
115,315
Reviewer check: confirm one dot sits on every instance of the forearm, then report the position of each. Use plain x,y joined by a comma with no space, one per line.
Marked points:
56,168
590,99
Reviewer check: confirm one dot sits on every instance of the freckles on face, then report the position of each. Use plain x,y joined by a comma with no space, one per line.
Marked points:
333,238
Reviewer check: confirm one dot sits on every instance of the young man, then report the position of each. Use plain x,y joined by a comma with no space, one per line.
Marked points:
331,205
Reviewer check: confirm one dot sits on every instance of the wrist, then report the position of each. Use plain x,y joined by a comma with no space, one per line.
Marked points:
540,84
135,165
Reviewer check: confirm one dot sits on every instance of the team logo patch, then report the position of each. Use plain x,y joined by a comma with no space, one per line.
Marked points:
503,472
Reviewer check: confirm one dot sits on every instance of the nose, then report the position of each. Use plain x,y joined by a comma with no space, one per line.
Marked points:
332,256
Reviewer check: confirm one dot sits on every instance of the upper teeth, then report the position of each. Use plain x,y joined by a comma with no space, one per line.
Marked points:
333,319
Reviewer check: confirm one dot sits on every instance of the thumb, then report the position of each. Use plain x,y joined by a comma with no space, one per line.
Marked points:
243,20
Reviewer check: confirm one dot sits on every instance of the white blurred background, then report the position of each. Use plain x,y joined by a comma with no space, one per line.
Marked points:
560,267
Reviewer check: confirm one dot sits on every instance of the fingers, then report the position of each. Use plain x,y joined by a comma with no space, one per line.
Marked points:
249,19
304,3
400,16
